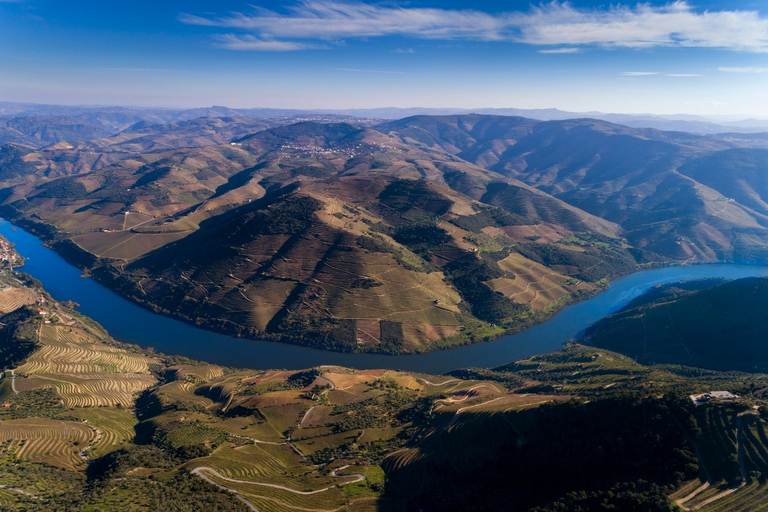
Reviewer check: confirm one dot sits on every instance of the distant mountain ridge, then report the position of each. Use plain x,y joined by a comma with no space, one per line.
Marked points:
677,122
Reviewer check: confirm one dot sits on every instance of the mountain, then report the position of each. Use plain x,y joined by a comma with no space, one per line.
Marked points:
678,122
405,236
720,326
42,131
645,180
145,136
135,129
333,235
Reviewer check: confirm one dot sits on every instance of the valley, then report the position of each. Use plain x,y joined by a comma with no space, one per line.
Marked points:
383,256
362,240
130,323
92,423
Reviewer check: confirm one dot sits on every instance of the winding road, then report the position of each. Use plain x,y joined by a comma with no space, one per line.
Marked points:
200,471
425,381
706,485
20,491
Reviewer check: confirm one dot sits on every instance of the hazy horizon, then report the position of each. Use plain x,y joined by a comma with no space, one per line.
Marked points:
703,57
725,118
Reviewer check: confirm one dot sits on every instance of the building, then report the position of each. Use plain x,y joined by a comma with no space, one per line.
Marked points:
713,396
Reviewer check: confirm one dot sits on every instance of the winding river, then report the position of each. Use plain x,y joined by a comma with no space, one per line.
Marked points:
130,323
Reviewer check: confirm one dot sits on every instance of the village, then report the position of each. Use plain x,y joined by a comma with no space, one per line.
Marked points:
351,151
316,150
8,255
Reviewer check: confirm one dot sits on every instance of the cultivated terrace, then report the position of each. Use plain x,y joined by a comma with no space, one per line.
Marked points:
87,423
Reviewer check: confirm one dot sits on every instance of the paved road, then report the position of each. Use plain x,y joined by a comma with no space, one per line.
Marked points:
425,381
199,471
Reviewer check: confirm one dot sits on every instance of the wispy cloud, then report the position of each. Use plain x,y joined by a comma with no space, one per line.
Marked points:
561,50
404,50
676,24
743,70
329,20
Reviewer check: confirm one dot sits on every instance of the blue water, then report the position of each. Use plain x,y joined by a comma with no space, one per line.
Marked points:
130,323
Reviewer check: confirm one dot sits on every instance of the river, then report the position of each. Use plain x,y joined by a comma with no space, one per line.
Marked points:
130,323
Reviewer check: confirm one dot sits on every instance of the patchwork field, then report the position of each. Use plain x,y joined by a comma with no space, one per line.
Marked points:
535,284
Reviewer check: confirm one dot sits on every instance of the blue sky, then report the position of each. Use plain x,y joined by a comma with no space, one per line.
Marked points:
697,57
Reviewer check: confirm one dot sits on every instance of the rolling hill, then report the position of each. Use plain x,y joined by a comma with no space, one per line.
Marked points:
720,326
334,235
672,193
406,236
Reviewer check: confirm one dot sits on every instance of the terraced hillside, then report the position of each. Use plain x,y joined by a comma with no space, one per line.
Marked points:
202,437
732,445
383,220
47,441
83,371
273,440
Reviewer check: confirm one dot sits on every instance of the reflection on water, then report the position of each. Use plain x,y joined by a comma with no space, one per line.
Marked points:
130,323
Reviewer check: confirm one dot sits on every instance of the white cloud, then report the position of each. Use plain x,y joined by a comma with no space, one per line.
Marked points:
675,24
743,70
644,26
328,20
656,73
561,50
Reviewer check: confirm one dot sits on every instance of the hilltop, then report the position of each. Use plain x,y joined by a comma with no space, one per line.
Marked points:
406,236
333,235
717,325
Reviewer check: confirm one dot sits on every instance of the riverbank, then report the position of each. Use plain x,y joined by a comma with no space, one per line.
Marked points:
133,324
423,333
